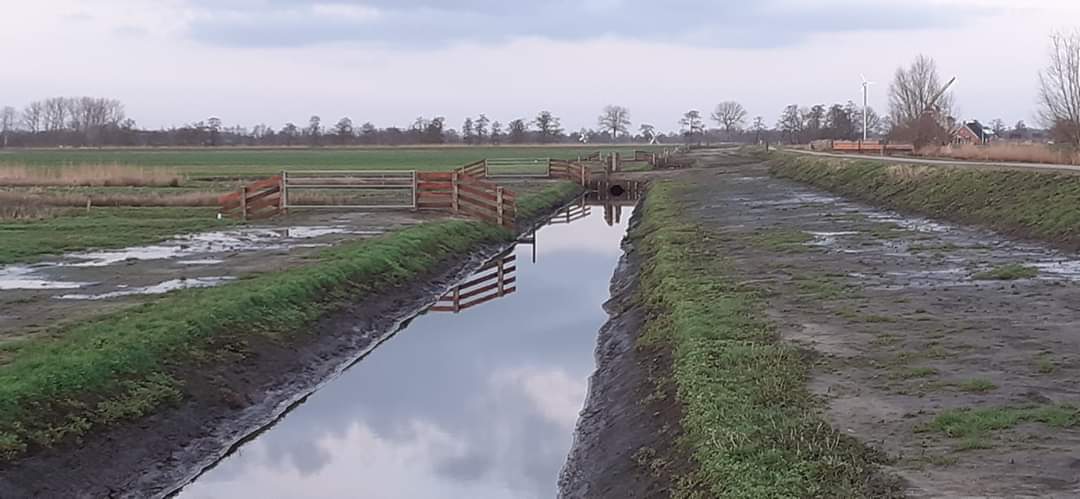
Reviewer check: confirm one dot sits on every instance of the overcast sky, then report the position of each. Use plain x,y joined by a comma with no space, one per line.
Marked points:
389,61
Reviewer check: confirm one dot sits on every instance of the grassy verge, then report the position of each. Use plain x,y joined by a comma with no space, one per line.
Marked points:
122,366
102,228
534,204
749,421
1010,272
1026,203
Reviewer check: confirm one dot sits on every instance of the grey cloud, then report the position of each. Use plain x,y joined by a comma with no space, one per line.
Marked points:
428,23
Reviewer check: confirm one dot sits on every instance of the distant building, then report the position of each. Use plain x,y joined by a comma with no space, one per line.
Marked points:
973,132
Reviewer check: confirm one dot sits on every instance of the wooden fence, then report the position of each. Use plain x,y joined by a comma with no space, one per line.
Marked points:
494,280
571,213
858,146
460,193
343,189
569,170
262,199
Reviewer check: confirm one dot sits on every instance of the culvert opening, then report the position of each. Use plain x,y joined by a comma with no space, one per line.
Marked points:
617,190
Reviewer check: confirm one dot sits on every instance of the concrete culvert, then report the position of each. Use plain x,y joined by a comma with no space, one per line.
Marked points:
617,190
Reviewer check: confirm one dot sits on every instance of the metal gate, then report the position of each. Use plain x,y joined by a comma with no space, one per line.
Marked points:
355,189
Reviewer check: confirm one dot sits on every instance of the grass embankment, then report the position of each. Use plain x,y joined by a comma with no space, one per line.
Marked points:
126,365
102,228
749,421
1028,204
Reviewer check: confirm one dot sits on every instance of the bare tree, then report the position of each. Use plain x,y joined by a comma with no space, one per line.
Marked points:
692,124
467,133
791,123
615,120
7,124
548,125
759,128
916,91
314,129
647,131
496,133
1059,88
480,126
518,131
344,130
730,115
32,116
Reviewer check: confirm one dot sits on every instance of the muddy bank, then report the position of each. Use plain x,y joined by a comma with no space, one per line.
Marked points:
965,382
625,438
248,381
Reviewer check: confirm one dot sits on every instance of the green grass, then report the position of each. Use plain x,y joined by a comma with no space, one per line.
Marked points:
1010,272
103,228
1031,204
749,421
976,386
224,161
785,240
975,425
124,365
532,205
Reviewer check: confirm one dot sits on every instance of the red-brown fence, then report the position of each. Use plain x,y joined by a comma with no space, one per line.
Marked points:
493,281
257,200
569,170
477,169
645,156
870,147
460,193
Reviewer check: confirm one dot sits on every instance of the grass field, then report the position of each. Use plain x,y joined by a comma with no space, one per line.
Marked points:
254,162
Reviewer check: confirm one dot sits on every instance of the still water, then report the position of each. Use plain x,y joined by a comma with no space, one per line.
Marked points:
478,403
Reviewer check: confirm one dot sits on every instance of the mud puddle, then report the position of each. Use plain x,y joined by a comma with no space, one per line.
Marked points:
478,397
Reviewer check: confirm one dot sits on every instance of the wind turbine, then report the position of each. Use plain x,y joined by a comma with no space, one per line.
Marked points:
865,106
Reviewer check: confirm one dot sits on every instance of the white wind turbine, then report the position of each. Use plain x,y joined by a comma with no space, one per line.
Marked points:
865,106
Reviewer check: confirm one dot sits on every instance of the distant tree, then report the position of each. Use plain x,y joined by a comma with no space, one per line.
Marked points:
730,116
290,131
692,124
496,132
759,128
314,129
813,122
549,127
343,129
999,128
838,123
648,132
1059,89
615,120
8,117
791,124
480,127
518,131
917,104
32,116
213,128
467,133
368,133
433,131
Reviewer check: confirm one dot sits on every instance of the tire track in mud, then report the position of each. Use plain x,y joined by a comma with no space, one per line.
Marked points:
905,333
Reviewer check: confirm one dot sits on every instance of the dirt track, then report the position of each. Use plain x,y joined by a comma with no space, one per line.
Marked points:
903,332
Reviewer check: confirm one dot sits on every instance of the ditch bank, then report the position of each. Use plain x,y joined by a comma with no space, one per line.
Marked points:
134,404
1024,204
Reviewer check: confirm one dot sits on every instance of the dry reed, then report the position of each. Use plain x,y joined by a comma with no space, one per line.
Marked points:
88,176
64,199
1008,152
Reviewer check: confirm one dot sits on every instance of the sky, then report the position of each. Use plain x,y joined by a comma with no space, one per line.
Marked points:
389,61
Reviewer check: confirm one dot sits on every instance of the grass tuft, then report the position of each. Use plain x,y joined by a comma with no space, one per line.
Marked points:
1010,272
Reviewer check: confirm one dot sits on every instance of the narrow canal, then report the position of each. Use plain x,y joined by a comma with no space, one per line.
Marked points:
476,398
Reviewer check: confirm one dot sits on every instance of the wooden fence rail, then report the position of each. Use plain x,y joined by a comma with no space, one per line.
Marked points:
458,192
257,200
859,146
494,280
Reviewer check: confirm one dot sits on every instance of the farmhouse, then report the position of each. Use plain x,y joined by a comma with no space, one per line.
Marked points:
972,132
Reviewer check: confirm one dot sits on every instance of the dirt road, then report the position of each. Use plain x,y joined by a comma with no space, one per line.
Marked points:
967,383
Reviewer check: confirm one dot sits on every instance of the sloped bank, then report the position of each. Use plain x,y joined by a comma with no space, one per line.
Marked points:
695,394
1020,203
134,404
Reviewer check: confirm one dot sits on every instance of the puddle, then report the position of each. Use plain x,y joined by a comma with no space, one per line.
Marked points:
27,278
828,238
477,398
157,289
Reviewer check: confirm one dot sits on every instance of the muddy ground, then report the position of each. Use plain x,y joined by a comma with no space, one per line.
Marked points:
903,330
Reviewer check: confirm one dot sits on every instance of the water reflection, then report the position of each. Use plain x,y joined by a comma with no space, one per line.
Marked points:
477,404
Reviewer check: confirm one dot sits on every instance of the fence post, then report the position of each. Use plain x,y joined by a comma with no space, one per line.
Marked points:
584,181
243,203
415,190
284,203
486,173
502,281
499,203
456,193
